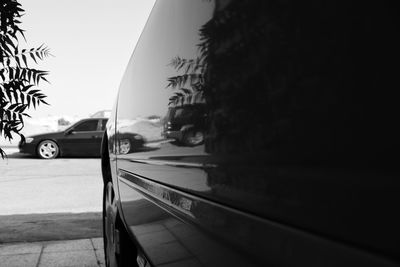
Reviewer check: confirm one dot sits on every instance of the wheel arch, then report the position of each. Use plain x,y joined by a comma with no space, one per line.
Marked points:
187,127
105,160
128,248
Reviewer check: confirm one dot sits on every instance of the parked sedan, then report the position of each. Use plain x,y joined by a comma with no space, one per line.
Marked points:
81,139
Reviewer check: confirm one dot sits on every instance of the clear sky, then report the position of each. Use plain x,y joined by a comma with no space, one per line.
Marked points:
91,41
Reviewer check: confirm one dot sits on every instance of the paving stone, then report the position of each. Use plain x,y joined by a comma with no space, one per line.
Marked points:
169,223
28,248
163,236
19,260
83,258
183,230
147,228
69,245
164,252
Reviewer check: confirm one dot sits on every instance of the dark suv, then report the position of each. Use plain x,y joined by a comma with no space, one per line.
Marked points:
293,159
186,124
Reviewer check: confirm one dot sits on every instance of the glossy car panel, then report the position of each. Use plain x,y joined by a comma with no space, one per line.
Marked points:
209,226
288,173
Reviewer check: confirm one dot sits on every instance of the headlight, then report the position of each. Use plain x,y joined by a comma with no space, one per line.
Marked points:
28,140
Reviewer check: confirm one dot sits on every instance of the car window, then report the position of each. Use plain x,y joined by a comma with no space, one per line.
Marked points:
184,113
86,126
102,125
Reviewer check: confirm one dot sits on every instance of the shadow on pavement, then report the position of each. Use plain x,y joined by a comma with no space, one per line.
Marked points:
51,226
17,155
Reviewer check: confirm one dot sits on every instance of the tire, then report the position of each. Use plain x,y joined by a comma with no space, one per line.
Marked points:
124,146
193,138
119,250
48,149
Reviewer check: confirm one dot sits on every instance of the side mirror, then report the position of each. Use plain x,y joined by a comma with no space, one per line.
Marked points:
70,131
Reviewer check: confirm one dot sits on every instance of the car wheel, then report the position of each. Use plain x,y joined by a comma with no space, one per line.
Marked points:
48,149
118,249
109,219
125,146
193,138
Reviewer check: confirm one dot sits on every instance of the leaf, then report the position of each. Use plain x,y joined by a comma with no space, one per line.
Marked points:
27,115
3,154
7,49
26,88
39,55
29,99
186,91
22,98
32,92
44,102
11,107
44,79
15,96
10,42
24,59
16,78
17,73
33,57
11,72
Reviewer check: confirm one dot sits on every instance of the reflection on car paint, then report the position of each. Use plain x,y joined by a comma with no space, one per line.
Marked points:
263,176
165,238
209,226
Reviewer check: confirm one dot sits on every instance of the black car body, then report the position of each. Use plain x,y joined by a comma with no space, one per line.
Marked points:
297,166
83,138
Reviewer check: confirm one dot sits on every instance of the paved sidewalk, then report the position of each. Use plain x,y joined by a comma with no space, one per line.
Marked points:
30,228
69,253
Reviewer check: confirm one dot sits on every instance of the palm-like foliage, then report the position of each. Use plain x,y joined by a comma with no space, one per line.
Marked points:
189,81
18,81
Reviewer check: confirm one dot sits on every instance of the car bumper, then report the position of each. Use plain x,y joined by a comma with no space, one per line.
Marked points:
177,135
27,148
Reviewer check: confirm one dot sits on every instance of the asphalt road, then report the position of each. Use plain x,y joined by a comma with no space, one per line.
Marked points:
31,185
49,199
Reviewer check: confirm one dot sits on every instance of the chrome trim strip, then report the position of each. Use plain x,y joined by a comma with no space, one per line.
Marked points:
227,222
168,162
170,197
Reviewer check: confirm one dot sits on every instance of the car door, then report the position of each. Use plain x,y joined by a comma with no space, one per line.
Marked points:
280,179
84,139
165,182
